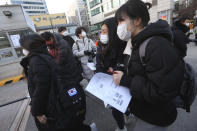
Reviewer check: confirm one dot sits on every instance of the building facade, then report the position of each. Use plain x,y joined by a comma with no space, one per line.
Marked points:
78,13
99,10
32,7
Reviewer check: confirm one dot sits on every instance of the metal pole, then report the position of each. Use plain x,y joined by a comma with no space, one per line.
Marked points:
51,23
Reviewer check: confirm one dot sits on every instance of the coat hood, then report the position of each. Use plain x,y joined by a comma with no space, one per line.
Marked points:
180,26
159,28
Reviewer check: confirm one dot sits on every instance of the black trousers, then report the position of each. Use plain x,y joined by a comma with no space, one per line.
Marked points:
119,117
50,127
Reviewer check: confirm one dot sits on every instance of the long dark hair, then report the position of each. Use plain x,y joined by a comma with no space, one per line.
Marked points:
114,41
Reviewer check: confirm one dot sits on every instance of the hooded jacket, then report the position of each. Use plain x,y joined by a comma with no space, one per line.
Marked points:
69,71
180,38
40,79
154,86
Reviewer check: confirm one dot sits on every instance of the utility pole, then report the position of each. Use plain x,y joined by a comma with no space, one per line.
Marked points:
50,19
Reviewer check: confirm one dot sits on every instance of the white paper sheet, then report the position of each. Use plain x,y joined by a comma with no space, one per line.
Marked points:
103,87
91,66
15,40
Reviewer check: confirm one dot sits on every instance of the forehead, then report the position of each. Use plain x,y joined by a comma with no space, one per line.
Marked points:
104,27
122,16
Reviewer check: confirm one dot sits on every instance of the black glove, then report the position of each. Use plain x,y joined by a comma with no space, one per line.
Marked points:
87,53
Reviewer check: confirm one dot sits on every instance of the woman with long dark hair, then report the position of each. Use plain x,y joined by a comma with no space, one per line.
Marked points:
155,71
110,57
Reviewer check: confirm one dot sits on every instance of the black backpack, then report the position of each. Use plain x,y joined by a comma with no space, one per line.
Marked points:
67,103
188,89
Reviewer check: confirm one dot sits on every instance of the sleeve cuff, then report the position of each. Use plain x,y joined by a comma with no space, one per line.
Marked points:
125,81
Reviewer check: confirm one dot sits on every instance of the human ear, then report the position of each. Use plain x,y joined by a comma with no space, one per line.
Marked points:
138,22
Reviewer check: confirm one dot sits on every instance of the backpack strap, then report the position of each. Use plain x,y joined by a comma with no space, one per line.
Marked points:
142,50
77,45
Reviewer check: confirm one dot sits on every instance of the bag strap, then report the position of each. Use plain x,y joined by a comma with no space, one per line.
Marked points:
77,45
142,50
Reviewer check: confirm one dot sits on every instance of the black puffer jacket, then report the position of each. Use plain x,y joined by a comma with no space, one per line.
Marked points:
154,86
69,71
40,78
70,40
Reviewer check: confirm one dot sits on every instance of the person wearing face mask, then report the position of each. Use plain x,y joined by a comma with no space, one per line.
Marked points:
154,79
63,31
38,75
84,49
110,57
180,29
51,109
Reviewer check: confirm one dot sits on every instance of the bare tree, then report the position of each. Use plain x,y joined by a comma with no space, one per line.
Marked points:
187,9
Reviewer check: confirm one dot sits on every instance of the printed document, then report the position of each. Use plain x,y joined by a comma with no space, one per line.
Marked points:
103,87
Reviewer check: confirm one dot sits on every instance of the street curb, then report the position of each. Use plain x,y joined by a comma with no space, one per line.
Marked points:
21,116
24,121
11,80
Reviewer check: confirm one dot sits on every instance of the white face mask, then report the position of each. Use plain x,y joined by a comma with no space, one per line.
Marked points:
104,39
187,24
122,32
83,34
25,52
65,33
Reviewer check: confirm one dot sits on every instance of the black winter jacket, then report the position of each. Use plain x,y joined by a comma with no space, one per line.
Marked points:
40,79
180,38
69,71
70,40
154,86
114,59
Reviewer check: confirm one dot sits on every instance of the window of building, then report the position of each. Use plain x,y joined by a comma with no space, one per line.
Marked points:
163,15
93,3
115,3
28,2
4,41
95,11
25,7
6,54
107,6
